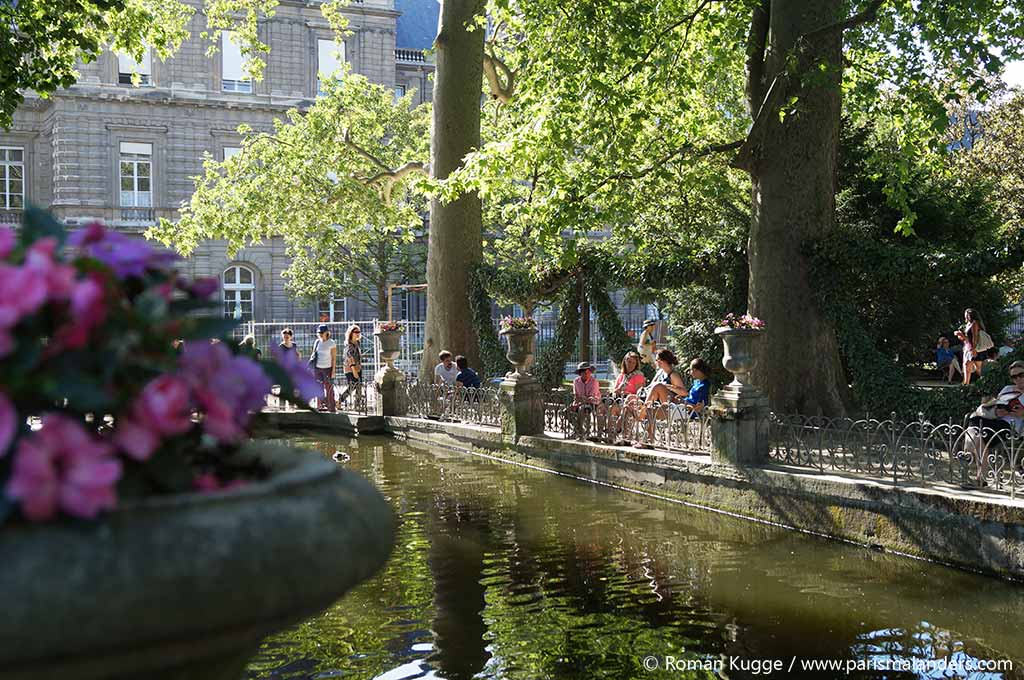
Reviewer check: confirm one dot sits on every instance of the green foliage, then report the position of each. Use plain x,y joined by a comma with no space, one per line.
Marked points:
323,182
549,368
492,356
609,322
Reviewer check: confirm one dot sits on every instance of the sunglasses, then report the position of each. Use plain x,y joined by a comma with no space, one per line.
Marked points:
1014,376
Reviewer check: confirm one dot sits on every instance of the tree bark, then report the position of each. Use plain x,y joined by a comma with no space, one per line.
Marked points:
454,243
793,173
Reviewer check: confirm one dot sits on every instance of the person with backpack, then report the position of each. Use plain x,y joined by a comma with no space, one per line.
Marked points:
323,360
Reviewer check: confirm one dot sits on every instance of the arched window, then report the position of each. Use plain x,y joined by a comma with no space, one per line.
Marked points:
239,291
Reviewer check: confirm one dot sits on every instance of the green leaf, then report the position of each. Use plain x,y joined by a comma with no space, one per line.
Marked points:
37,223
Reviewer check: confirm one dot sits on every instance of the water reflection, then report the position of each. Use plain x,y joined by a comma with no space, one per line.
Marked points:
503,572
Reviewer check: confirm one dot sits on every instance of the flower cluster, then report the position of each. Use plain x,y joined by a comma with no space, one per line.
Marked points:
387,326
518,323
96,403
744,321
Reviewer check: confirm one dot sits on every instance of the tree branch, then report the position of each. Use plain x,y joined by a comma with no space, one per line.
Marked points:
687,150
869,13
502,91
757,39
384,181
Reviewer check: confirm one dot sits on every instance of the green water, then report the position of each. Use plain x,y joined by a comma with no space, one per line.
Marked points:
505,572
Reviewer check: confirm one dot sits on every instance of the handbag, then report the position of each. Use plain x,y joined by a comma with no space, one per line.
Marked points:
312,358
984,342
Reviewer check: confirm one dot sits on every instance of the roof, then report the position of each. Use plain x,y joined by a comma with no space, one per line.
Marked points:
417,26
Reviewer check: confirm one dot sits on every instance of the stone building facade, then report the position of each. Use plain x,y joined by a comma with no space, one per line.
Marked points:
107,149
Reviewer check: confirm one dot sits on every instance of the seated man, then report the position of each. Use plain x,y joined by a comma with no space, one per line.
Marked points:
946,359
586,398
466,377
446,371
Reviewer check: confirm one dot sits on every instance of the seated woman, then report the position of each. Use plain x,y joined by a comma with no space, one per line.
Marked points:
624,392
666,388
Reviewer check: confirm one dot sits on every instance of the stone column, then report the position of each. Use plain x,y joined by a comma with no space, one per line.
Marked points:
391,397
739,425
522,406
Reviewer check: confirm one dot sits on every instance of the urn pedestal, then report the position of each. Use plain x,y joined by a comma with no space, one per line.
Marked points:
740,426
390,382
522,402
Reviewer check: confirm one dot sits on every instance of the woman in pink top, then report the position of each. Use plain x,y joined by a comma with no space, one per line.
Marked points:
630,379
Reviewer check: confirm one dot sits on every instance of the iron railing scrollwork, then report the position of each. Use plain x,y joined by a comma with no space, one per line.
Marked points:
618,421
479,405
903,452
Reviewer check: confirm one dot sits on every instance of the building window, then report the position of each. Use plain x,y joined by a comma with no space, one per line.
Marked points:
333,310
233,76
230,151
399,92
127,66
239,292
136,175
330,55
12,177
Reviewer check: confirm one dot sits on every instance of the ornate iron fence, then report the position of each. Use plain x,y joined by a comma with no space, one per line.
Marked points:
454,404
987,455
361,399
669,427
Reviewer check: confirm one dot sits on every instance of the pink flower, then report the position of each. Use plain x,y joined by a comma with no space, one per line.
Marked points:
22,291
8,423
162,409
60,278
228,388
88,310
206,482
62,466
135,439
7,240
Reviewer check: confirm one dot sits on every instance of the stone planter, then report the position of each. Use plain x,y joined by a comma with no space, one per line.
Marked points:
739,356
520,352
390,346
186,586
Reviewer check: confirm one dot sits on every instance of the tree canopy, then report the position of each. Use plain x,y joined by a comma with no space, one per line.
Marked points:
339,183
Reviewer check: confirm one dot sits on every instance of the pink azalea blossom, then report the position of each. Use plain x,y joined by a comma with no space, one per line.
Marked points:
60,278
162,409
7,241
63,467
228,388
8,423
88,310
128,257
205,287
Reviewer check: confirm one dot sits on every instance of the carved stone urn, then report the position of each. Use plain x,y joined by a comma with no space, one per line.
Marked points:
390,346
521,344
739,357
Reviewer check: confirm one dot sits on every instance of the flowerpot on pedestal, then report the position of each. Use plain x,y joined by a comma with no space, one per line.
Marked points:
522,401
390,381
520,352
740,426
187,585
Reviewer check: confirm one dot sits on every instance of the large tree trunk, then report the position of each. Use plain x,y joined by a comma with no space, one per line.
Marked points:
454,244
793,176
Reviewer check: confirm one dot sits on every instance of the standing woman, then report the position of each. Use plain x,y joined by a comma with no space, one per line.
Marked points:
353,360
324,358
971,336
